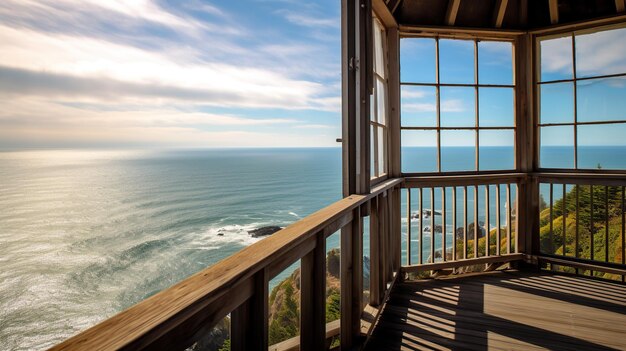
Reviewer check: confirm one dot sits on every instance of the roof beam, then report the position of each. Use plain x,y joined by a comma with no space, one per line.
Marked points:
392,5
523,13
498,12
554,11
619,5
384,14
452,11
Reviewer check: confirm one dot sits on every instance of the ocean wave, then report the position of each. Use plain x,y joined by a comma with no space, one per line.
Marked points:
217,236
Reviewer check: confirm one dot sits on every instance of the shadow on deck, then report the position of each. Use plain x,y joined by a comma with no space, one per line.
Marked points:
503,310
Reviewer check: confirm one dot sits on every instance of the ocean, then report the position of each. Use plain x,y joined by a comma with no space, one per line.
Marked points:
85,234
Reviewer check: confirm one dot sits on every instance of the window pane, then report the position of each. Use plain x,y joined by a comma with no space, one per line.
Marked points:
602,146
381,94
382,159
556,59
601,99
419,151
497,149
458,150
557,103
458,107
495,107
373,106
495,62
379,61
557,147
417,60
419,106
373,147
456,61
601,53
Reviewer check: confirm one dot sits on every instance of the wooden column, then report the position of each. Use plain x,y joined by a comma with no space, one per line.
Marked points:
526,153
393,86
375,255
351,280
313,298
397,225
249,322
356,50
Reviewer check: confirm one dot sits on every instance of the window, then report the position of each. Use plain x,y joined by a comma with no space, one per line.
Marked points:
581,96
378,104
457,105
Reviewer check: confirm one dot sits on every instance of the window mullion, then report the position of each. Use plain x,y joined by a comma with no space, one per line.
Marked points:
575,102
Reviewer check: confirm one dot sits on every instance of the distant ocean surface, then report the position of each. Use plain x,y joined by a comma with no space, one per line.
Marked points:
85,234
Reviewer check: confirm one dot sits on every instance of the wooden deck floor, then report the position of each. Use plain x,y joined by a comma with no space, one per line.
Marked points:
503,310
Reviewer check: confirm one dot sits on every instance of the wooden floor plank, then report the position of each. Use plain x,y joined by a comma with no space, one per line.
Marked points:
503,310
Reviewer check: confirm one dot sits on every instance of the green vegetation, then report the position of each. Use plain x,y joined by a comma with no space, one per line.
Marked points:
225,346
482,241
592,230
284,320
284,310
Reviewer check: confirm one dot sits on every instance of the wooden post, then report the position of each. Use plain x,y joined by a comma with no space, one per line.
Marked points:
390,244
249,322
313,297
351,281
356,35
382,233
393,86
375,292
527,233
397,225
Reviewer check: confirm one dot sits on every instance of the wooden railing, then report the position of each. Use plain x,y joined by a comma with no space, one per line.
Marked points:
238,285
435,203
583,223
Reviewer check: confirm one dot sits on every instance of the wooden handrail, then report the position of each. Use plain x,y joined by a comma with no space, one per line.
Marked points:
463,180
177,316
610,179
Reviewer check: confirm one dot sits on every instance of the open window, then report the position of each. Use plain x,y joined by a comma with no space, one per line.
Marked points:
379,131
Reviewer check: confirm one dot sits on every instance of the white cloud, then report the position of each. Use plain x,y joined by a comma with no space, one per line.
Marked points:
601,53
98,59
33,119
315,126
413,92
119,70
449,105
310,20
419,107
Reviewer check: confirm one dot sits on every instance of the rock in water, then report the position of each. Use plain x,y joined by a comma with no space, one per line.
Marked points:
264,231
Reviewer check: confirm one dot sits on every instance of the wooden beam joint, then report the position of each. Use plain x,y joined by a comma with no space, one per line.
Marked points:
499,12
554,11
452,11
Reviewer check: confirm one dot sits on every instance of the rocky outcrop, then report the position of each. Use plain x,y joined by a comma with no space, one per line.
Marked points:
264,231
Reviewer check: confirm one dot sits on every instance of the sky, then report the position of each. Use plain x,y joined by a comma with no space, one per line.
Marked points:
597,54
157,73
258,73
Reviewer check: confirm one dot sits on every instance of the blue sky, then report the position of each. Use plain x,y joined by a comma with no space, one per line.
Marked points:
601,53
155,73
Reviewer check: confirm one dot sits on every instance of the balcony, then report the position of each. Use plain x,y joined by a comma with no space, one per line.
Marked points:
525,255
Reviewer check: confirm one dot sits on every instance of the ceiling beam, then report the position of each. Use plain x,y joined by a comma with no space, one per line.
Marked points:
619,5
498,12
554,11
523,13
452,11
392,5
384,14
